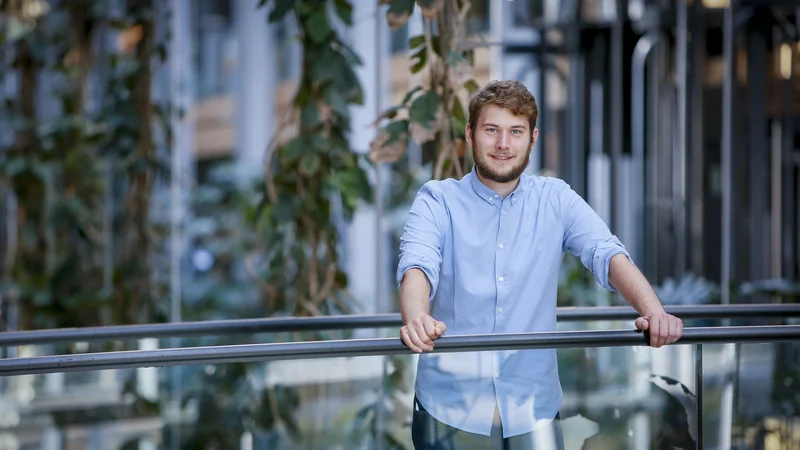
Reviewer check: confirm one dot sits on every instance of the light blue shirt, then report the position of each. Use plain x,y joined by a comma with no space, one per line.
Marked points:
493,264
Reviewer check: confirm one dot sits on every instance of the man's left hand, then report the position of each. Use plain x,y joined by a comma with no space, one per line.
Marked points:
664,328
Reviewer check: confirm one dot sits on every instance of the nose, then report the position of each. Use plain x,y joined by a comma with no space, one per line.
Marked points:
502,140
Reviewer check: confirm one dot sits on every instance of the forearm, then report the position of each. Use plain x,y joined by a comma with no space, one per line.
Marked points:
626,278
414,295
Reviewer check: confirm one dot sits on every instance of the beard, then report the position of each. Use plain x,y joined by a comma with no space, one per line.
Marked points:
486,171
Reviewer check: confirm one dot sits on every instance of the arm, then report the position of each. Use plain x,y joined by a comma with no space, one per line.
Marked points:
629,281
587,236
418,270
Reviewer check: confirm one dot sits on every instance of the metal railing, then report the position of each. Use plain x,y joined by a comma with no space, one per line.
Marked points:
349,322
381,346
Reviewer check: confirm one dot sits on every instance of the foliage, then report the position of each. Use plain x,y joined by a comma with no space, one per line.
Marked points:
311,171
435,111
83,145
82,171
280,234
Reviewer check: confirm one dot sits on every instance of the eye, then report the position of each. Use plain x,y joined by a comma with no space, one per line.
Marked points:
516,131
491,130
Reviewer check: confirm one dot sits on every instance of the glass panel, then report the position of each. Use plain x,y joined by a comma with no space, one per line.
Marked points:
750,396
628,397
86,410
612,398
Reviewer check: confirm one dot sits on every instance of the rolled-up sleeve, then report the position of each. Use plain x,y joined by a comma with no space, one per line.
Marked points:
421,242
587,236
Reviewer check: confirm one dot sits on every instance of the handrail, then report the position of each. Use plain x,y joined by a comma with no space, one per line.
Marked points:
381,346
345,322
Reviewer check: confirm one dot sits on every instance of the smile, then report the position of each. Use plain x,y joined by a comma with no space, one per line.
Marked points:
502,158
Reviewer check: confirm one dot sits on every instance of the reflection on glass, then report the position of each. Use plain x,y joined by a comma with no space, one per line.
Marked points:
750,396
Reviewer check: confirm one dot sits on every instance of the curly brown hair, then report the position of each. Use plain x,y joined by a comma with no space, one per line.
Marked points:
509,94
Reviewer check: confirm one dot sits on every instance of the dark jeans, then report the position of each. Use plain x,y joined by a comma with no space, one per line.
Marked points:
428,433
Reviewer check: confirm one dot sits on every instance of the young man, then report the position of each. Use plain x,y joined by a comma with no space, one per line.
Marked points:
481,255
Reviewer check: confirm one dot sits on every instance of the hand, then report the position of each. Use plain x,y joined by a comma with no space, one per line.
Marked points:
664,328
420,333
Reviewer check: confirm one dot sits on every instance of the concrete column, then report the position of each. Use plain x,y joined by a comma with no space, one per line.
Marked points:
255,93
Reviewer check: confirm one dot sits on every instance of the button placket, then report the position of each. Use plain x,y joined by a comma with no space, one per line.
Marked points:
501,258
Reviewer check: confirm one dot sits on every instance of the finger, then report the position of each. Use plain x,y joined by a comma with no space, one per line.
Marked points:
404,335
418,341
430,328
654,330
642,323
440,328
673,330
419,329
665,330
676,329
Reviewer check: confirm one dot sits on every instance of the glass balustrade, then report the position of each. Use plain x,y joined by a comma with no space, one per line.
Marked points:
619,397
630,397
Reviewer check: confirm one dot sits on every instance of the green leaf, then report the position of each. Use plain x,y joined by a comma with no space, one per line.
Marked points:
435,45
395,131
471,86
283,210
325,65
294,149
409,94
279,10
15,166
310,163
310,114
458,118
390,113
401,7
423,110
345,11
458,110
336,101
318,27
416,41
349,55
421,57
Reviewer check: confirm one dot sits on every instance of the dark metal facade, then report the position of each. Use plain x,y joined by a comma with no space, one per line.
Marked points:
699,125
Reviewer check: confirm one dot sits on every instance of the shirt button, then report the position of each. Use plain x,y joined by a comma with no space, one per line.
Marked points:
500,310
504,212
496,196
501,245
501,278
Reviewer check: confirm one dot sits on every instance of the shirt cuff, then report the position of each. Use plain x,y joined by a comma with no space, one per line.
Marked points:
418,263
599,260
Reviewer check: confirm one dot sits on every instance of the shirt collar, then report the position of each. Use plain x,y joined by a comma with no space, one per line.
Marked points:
489,195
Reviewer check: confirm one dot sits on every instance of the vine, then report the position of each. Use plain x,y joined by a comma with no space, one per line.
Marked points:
57,164
300,272
433,112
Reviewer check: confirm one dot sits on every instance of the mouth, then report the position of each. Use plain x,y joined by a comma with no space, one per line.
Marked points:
502,158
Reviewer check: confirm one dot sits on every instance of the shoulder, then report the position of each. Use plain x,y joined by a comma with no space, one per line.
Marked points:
547,185
442,189
551,191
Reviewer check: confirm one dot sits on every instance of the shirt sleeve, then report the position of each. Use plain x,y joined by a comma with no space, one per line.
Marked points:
587,236
421,242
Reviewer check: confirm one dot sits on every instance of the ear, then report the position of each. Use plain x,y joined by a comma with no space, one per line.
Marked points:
468,134
534,137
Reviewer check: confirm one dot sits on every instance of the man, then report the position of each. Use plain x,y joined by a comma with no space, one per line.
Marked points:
481,255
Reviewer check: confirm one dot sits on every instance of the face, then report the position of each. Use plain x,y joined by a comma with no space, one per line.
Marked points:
501,143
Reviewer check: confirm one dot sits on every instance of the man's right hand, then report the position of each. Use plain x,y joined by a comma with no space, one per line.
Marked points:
420,333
